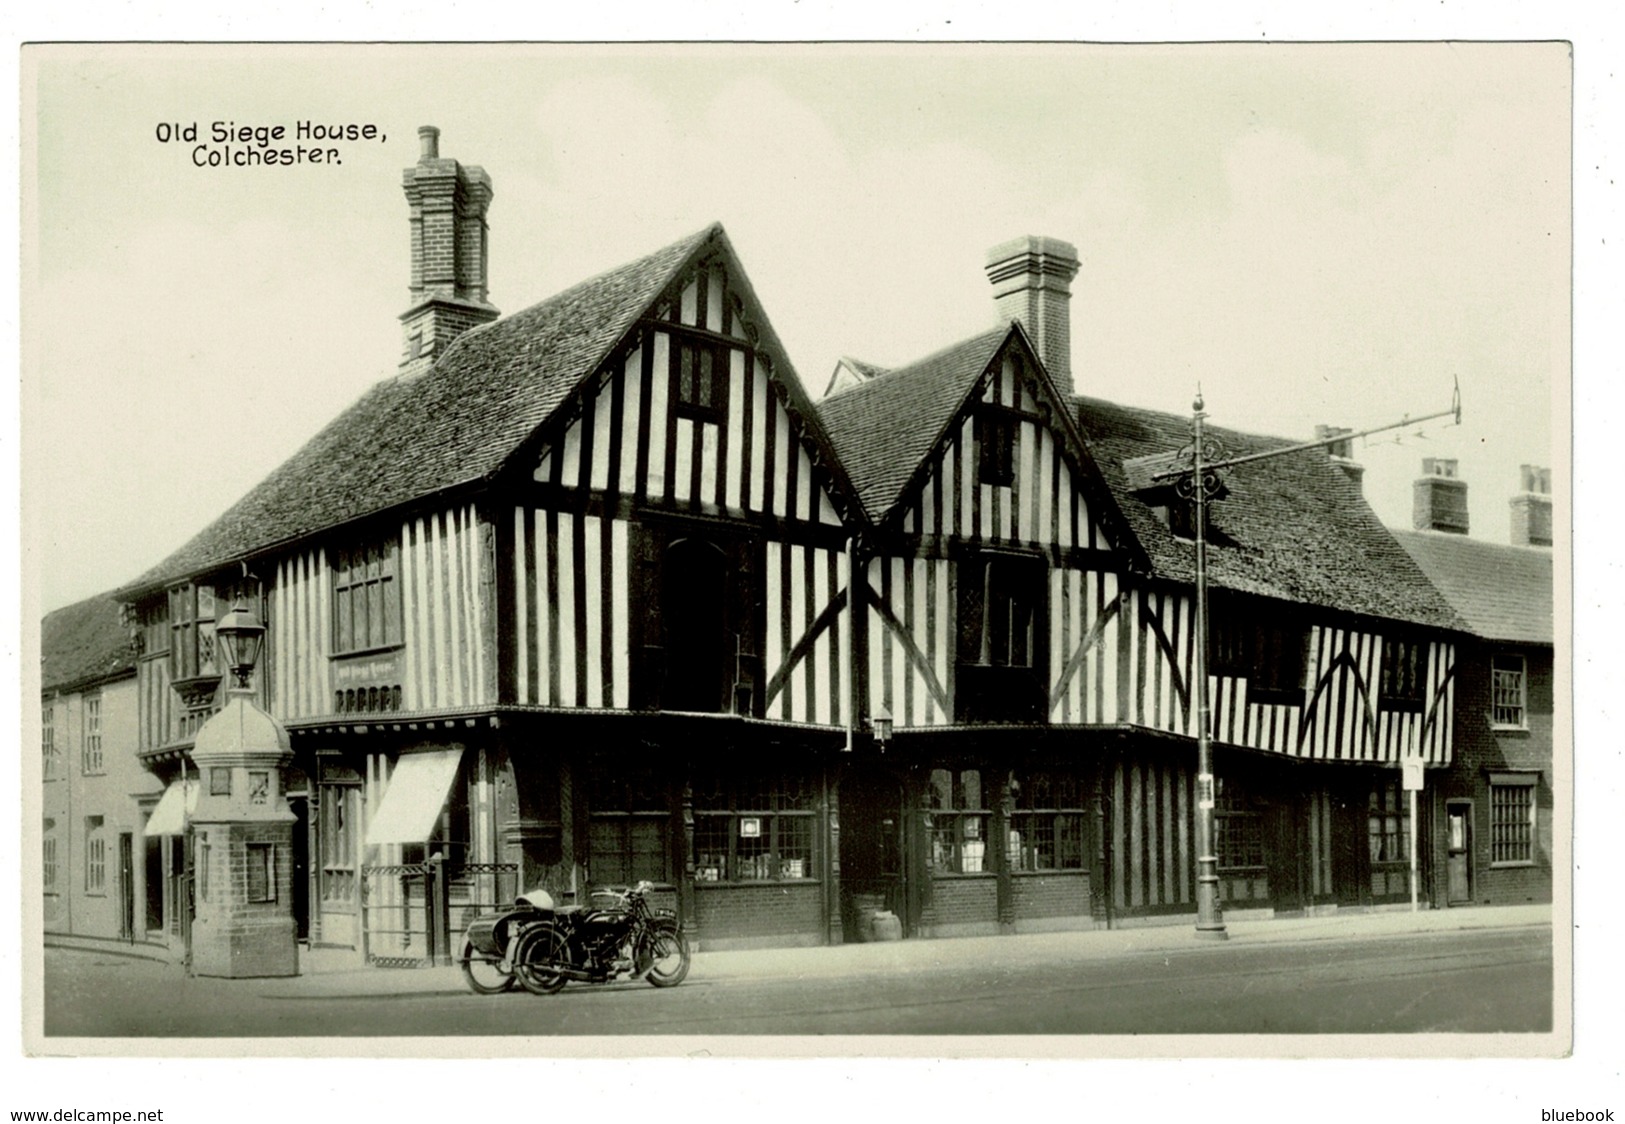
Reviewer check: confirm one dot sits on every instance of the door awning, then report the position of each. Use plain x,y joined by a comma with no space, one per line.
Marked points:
416,793
169,815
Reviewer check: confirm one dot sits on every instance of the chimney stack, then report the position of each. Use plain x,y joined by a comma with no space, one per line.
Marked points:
1532,508
1441,498
1341,452
449,253
1032,283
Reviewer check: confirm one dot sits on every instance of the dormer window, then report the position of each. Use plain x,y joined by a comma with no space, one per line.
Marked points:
995,449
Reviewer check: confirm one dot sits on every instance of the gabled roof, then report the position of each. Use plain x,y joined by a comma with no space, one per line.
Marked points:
1295,527
455,425
884,429
84,644
1502,592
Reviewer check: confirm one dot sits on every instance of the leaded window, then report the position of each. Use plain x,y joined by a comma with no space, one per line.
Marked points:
702,381
366,597
995,449
959,821
1404,674
191,632
755,828
1238,828
1264,646
1047,828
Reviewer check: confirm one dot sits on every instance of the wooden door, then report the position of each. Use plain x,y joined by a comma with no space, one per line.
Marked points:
1458,854
126,885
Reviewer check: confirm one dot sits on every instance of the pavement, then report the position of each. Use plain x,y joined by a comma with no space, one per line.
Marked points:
330,972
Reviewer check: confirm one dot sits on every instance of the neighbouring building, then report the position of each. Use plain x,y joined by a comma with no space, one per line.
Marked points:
101,875
593,592
1493,808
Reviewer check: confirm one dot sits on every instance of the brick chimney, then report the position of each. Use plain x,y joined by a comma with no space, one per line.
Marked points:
1341,452
1441,498
1032,283
448,203
1532,508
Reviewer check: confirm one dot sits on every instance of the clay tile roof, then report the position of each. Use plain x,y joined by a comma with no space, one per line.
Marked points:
456,424
883,428
1294,527
1503,592
84,644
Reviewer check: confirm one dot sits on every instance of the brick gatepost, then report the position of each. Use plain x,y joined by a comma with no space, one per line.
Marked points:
242,834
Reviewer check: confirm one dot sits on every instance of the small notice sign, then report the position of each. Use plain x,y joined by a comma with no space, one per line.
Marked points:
1204,791
750,828
1410,773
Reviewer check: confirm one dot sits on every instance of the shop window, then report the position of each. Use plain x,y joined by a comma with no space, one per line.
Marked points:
95,856
1388,823
1047,828
995,449
1404,674
959,822
90,754
755,829
1507,689
1238,829
1512,820
366,597
1263,646
630,825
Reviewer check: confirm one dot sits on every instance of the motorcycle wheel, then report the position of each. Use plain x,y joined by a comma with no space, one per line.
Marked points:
537,959
483,976
664,958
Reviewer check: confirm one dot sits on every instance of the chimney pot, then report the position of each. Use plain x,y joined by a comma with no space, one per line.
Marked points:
1341,452
428,142
447,203
1532,509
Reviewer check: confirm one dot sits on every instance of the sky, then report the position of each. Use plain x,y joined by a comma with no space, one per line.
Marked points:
1308,233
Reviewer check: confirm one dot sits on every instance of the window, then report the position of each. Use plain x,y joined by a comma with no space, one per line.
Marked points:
702,381
959,821
1404,674
1388,822
191,632
48,853
1263,646
1512,820
48,742
630,825
90,754
340,812
1047,827
95,856
1007,634
995,449
693,601
366,598
261,872
1507,687
1238,828
755,828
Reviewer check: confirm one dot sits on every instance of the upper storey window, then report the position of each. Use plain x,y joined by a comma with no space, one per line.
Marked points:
1003,639
995,449
191,632
366,598
1268,649
1404,674
702,381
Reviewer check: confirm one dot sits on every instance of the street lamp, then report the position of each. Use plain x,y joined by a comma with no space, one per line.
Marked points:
241,634
1199,486
880,723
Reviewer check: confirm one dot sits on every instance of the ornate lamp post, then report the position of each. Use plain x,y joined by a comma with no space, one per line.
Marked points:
242,829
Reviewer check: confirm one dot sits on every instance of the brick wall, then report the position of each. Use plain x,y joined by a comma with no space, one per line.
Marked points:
1050,895
963,906
1481,749
772,915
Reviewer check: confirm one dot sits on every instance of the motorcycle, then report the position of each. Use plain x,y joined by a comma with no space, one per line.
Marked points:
542,947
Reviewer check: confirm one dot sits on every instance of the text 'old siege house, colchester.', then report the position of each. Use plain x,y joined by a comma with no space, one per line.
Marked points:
594,592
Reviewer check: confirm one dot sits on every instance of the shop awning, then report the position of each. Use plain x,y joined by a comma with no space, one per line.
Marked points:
416,793
169,816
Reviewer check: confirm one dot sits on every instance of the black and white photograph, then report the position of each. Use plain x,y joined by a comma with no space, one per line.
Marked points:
871,549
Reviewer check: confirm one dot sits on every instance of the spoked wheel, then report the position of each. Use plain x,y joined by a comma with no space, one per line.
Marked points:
663,958
537,960
484,975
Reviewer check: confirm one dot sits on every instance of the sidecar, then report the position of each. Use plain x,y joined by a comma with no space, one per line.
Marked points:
483,956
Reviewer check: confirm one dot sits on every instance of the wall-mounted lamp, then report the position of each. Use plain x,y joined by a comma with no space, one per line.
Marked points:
880,724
